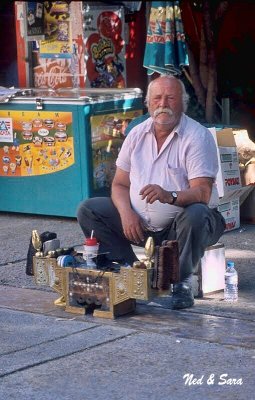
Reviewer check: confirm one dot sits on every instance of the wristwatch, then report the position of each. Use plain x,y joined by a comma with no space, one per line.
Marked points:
174,197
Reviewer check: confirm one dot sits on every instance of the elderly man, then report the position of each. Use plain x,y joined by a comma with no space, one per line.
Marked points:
164,187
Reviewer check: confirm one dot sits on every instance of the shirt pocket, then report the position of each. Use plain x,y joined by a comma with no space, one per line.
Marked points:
175,179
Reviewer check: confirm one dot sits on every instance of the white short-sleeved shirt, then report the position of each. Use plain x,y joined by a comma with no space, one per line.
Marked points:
189,152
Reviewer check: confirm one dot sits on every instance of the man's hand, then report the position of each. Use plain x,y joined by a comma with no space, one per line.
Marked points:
132,226
131,222
154,192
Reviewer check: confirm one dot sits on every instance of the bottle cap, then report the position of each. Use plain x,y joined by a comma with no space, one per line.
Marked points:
230,264
90,241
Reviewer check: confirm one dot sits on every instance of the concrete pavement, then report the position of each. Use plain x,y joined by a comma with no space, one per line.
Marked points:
206,352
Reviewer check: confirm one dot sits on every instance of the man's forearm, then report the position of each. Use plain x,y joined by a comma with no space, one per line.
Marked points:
120,197
192,195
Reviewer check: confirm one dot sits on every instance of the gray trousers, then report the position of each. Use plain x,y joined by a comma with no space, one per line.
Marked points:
195,228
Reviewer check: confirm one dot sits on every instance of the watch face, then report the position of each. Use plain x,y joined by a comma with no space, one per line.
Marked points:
174,195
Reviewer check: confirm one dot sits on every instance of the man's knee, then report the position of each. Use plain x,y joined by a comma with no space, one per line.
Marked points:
84,208
97,206
81,207
193,215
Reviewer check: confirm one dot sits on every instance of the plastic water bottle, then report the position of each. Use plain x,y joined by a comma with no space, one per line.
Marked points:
231,283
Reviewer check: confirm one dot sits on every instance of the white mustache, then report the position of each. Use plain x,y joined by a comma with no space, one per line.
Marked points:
161,110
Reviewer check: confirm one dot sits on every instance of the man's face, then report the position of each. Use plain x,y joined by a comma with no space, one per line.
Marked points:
165,102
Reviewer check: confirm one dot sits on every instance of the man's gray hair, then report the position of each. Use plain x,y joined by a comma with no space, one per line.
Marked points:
185,96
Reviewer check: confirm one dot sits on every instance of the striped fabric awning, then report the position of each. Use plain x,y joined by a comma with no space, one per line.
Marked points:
165,50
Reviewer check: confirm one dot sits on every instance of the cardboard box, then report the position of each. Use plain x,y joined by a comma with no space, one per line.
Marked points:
228,177
231,213
210,275
229,206
228,180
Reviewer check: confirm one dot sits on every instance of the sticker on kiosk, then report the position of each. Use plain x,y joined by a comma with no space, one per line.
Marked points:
35,143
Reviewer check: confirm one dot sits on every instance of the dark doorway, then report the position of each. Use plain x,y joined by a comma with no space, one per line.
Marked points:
8,54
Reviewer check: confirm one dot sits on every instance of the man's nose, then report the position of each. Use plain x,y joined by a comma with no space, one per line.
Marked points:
164,102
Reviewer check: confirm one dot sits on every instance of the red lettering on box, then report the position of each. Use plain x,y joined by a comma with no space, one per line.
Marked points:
232,181
230,225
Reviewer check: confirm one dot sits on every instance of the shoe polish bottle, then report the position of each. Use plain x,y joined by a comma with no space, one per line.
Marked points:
91,246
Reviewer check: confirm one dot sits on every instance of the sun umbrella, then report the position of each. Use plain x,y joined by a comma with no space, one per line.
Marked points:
165,50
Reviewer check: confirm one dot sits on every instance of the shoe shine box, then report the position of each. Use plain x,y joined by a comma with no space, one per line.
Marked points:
209,277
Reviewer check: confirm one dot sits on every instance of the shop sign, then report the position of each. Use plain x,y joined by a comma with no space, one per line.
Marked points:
53,73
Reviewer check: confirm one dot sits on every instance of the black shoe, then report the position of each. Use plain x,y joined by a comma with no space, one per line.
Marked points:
182,296
103,263
111,266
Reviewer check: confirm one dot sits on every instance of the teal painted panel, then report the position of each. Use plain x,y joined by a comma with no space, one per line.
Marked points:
45,191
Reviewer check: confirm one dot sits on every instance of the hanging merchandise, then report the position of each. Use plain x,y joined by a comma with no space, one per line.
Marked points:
105,50
165,50
58,39
34,22
58,61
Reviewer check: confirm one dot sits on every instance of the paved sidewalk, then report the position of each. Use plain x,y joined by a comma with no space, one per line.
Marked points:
47,353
